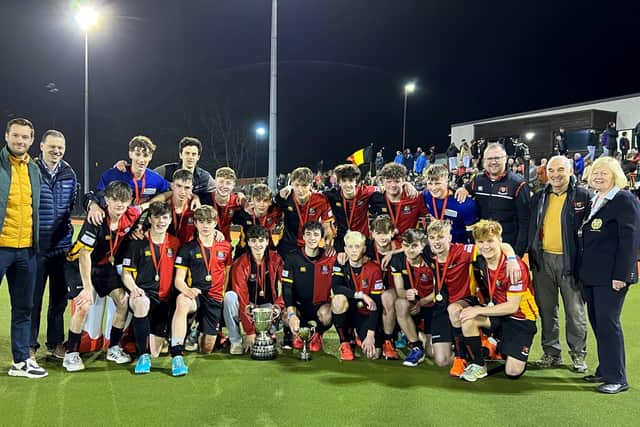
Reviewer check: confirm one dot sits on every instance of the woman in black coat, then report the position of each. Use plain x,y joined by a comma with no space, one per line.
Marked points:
607,264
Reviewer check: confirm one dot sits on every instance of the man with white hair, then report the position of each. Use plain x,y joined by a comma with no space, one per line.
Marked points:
552,255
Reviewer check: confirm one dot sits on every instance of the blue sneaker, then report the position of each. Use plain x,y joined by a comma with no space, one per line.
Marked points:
144,364
178,368
415,357
401,341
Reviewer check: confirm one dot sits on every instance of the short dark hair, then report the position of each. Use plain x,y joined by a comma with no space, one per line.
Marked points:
393,171
20,122
190,141
182,175
257,232
205,213
313,226
52,132
261,192
347,171
118,190
159,208
413,235
382,224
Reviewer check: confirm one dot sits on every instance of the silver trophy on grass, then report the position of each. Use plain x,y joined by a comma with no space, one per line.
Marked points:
306,333
264,347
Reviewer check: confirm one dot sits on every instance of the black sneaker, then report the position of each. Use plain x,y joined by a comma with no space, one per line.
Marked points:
28,369
287,340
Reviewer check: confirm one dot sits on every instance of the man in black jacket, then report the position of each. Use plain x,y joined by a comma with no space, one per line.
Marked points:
502,196
557,211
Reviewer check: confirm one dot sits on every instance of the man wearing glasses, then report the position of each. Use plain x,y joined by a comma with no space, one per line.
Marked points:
501,195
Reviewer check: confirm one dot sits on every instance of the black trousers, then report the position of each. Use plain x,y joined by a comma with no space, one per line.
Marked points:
604,306
52,269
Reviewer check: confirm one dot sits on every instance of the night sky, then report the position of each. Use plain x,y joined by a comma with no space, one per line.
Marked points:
164,68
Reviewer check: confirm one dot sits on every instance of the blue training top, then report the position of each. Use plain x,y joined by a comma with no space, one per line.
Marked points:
154,183
459,215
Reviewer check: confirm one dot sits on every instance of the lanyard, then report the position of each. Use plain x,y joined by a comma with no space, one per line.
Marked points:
177,225
302,220
113,242
492,283
156,263
357,278
435,207
347,215
140,192
207,262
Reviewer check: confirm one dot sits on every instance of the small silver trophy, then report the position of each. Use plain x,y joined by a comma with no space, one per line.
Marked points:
306,333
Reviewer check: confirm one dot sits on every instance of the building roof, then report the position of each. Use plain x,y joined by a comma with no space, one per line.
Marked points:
551,109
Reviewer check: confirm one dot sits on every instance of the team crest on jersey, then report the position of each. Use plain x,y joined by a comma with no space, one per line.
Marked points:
312,211
383,210
364,283
220,255
231,212
498,284
338,204
303,269
170,252
290,208
406,209
424,277
147,253
190,220
324,269
269,219
198,255
503,189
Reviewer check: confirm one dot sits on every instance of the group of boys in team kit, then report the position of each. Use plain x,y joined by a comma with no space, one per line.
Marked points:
180,254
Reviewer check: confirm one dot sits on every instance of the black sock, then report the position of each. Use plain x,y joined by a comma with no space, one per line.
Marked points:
458,345
141,330
340,322
176,350
321,328
287,331
416,344
115,336
388,337
73,343
474,348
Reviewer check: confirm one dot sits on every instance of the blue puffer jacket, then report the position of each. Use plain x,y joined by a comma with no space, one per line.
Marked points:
57,198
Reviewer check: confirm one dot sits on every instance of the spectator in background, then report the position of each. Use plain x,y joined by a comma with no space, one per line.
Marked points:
611,140
432,155
625,144
636,137
591,145
578,165
379,162
452,155
561,140
407,161
399,159
542,172
420,163
475,151
586,172
465,153
58,195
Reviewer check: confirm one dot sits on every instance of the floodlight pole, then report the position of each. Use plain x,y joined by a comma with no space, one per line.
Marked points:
273,101
87,187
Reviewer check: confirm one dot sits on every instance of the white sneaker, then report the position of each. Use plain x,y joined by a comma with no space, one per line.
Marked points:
28,369
236,348
116,354
72,362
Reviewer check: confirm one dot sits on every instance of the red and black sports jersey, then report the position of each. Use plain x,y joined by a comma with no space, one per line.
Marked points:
191,259
225,213
374,255
350,214
246,219
421,277
404,214
182,224
139,261
248,280
528,310
457,278
348,280
307,280
100,239
295,216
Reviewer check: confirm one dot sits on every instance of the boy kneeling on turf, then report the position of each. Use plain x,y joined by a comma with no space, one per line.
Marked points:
202,275
510,312
91,265
356,304
147,274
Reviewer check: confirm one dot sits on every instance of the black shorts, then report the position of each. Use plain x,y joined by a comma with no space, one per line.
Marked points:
208,314
515,336
105,279
359,321
470,300
436,323
309,312
159,315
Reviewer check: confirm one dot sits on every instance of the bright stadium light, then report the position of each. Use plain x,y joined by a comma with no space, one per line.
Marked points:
87,17
410,87
261,131
529,135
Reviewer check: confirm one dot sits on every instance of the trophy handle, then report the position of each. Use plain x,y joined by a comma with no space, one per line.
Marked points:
276,312
248,310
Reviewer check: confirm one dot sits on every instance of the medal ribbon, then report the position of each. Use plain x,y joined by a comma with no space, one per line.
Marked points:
435,208
347,215
441,280
492,283
177,225
152,246
302,220
113,242
394,215
207,262
140,192
357,278
225,208
260,279
410,274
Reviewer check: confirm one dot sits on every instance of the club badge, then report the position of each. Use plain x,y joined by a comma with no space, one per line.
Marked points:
596,224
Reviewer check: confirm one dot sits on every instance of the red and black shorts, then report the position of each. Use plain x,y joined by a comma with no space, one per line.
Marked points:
105,279
515,336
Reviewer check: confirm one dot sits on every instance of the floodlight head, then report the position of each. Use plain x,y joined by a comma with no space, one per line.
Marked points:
410,87
87,17
261,131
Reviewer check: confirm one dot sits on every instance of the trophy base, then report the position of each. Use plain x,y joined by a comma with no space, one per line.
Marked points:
264,352
305,356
